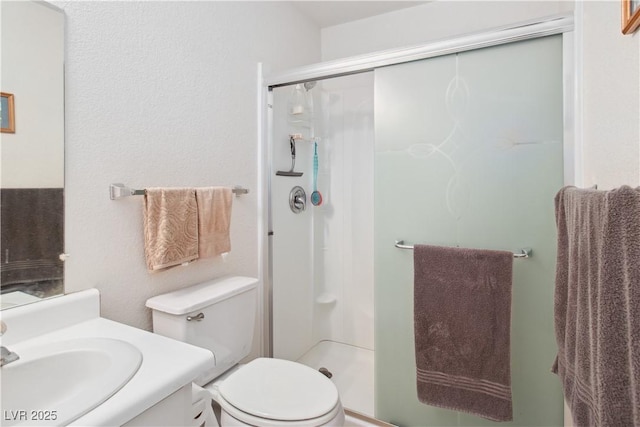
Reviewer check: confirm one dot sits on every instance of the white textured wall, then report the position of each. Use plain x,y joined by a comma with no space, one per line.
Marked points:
33,71
164,94
431,21
611,98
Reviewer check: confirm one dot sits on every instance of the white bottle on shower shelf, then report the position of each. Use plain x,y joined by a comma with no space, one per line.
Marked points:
297,101
300,107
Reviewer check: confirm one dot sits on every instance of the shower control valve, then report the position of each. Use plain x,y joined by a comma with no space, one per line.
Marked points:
297,199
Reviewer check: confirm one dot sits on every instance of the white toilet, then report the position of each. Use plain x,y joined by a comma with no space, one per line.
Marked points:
219,315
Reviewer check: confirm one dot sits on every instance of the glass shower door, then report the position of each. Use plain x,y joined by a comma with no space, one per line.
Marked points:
468,153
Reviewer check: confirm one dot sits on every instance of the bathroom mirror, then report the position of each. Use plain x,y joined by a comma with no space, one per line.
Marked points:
32,153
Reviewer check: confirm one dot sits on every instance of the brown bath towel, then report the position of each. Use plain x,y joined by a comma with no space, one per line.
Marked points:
597,304
462,313
170,227
214,220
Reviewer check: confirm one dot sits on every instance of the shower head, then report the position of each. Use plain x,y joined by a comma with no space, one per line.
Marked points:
309,85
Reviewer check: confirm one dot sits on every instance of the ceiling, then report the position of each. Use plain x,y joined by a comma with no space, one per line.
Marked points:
329,13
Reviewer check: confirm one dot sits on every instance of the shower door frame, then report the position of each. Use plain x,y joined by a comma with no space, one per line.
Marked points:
569,25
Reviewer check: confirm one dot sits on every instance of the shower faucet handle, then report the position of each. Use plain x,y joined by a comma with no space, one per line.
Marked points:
297,199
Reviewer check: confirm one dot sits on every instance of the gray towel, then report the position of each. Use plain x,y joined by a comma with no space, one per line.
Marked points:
597,304
462,313
32,235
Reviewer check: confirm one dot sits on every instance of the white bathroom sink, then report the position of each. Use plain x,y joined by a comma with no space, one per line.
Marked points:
56,383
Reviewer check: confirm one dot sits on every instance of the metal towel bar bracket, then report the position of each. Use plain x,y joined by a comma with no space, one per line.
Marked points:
522,253
118,191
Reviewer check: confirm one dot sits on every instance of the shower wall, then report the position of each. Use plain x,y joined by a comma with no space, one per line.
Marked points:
323,256
343,225
292,255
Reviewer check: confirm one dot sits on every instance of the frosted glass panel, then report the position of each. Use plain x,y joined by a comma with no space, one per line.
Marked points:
469,153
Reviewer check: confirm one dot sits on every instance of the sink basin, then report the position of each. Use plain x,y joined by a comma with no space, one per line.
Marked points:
57,383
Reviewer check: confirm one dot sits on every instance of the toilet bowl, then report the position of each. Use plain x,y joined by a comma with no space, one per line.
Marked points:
275,392
264,392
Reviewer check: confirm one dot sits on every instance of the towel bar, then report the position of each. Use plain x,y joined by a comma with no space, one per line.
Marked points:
118,191
522,253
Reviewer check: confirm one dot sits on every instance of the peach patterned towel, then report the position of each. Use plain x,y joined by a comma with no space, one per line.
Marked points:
170,227
214,220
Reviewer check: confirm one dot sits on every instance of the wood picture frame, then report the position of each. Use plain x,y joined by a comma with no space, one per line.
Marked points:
7,113
630,16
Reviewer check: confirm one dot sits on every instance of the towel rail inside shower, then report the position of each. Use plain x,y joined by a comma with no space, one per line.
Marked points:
522,253
118,191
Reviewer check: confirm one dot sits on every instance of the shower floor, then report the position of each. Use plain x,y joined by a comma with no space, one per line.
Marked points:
352,369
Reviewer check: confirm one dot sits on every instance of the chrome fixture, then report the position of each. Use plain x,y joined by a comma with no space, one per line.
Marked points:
6,355
522,253
118,191
324,371
292,147
198,317
297,199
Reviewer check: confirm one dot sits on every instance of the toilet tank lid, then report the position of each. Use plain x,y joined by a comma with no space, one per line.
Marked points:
198,296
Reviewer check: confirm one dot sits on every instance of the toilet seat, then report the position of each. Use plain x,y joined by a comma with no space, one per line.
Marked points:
336,415
280,393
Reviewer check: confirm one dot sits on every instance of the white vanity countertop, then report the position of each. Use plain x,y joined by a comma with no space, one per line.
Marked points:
167,365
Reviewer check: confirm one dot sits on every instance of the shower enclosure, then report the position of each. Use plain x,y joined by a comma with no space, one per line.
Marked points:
464,147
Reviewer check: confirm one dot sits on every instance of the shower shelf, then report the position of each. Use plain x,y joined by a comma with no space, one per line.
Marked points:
326,299
301,124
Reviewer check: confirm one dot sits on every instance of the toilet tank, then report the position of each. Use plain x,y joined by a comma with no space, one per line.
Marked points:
218,315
